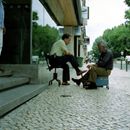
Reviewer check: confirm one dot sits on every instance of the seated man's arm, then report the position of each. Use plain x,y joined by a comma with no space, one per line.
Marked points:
89,65
67,53
103,61
65,50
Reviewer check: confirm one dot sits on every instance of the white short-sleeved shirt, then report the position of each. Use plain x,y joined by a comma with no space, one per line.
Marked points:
59,48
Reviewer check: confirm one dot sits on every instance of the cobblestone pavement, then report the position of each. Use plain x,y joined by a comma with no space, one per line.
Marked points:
74,108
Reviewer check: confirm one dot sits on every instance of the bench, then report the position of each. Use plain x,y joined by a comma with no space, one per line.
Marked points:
102,81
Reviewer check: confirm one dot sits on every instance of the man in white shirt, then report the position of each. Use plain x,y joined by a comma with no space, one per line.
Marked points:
63,56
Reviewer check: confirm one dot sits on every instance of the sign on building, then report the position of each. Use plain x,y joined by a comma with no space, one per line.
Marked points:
77,31
87,40
85,14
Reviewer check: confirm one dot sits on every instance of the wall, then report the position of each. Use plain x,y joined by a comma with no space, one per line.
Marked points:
17,39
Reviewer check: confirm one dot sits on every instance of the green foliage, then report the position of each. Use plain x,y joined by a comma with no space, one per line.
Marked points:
127,24
94,48
127,2
127,17
43,38
35,15
117,39
127,14
35,18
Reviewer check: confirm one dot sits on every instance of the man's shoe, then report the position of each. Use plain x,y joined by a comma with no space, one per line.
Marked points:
89,85
81,72
65,83
77,81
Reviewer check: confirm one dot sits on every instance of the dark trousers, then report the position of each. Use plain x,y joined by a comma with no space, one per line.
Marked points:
93,73
62,60
66,73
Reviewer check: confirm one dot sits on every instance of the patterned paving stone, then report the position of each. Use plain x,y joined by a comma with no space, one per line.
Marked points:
99,109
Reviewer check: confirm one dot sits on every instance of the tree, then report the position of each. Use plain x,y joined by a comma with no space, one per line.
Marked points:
127,17
35,18
42,37
127,2
35,15
94,48
117,38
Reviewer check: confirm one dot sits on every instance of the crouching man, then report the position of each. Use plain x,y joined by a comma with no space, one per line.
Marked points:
102,68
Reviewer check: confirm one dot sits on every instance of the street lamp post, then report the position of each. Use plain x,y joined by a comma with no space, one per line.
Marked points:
121,58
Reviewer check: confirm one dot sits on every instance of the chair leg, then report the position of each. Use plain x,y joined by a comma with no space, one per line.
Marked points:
107,87
55,78
59,82
50,82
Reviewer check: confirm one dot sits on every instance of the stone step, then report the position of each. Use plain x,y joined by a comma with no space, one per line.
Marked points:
10,82
6,73
14,97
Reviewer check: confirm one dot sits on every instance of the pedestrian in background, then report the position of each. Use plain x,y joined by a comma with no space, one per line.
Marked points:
2,28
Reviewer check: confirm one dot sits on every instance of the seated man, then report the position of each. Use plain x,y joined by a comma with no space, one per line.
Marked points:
63,56
102,68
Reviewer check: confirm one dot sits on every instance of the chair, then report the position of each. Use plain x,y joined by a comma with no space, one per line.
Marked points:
52,65
102,81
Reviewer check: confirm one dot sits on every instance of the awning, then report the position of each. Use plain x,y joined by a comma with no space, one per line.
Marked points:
64,12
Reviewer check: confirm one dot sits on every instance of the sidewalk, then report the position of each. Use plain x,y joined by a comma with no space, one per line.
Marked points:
74,108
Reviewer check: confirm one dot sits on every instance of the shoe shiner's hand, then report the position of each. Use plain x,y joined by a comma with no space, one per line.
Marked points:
90,65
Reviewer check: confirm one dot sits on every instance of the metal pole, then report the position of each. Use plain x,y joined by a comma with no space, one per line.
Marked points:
121,63
121,58
126,65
